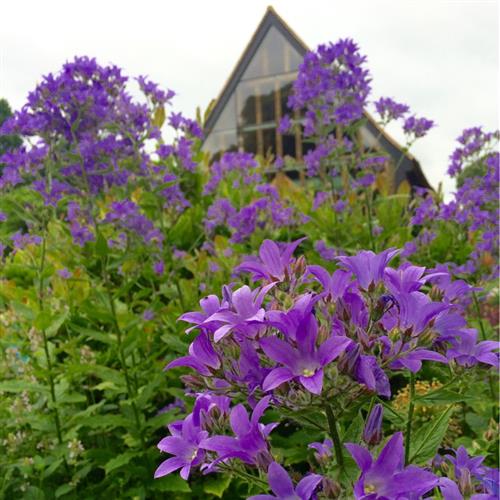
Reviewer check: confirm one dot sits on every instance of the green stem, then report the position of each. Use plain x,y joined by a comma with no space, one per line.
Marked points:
48,359
411,409
334,433
369,216
121,355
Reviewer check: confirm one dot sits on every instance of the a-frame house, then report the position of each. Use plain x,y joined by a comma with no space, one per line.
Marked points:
247,112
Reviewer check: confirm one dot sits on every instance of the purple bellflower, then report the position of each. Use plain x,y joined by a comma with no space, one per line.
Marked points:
184,445
304,362
367,266
386,477
282,487
467,352
273,263
244,311
250,443
202,356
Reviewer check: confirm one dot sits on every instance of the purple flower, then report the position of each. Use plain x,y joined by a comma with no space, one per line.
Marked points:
417,127
159,267
386,477
250,444
184,444
242,312
64,273
282,487
389,110
334,285
323,450
467,352
148,315
285,125
372,433
304,362
274,263
210,305
202,356
367,266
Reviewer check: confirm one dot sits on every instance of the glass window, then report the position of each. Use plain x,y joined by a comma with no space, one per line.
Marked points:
227,119
274,56
249,141
269,138
219,142
246,104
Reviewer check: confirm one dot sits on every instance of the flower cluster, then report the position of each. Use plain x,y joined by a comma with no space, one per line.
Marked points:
474,207
332,86
306,337
86,136
243,202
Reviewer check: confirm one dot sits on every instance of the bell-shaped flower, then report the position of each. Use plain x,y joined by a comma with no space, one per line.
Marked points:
368,267
413,314
282,486
184,444
466,351
407,278
365,370
386,477
250,441
243,312
210,305
202,356
273,263
334,285
305,361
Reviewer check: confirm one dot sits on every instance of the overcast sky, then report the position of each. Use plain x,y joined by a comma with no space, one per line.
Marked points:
439,56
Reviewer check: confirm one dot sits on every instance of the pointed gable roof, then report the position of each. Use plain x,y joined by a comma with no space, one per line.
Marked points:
409,168
270,19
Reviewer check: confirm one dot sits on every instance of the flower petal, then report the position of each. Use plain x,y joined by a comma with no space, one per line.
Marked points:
169,465
313,384
307,485
280,481
277,377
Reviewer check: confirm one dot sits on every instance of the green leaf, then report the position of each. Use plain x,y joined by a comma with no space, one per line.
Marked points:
159,116
63,489
101,245
426,440
104,421
73,397
106,338
119,461
56,323
217,485
440,397
172,482
21,385
354,431
34,493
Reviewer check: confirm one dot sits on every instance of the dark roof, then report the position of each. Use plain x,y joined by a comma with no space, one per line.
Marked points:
409,168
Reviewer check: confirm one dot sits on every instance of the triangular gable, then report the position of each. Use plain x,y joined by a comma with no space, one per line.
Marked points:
244,66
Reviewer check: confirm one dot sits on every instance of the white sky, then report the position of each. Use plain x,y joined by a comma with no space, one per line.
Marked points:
439,56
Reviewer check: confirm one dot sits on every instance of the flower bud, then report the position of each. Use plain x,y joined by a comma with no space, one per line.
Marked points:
372,433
